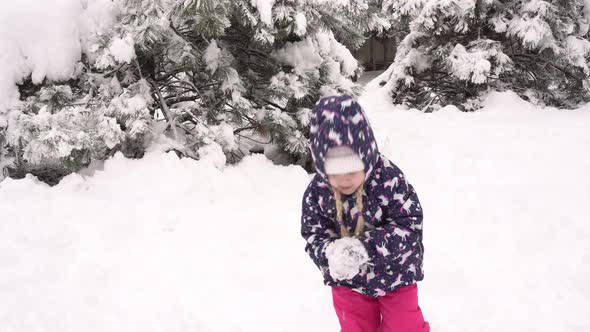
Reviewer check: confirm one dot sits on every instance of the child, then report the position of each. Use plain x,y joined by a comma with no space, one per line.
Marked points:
363,224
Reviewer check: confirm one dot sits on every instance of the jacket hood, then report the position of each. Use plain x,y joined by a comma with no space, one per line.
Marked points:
338,121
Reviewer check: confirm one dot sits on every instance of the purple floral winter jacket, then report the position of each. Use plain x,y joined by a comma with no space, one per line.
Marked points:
392,212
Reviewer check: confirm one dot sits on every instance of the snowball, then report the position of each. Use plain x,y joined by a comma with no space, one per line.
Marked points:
345,257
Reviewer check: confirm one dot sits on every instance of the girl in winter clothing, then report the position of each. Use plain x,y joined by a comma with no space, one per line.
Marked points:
363,224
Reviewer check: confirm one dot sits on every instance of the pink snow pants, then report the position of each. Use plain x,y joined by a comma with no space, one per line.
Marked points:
397,311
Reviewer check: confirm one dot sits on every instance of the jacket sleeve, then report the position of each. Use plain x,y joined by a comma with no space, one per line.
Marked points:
316,229
400,232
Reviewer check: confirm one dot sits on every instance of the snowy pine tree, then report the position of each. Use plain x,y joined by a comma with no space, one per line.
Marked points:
253,66
452,50
229,73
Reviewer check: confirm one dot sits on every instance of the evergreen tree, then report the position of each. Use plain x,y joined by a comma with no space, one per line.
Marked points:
255,66
189,74
453,50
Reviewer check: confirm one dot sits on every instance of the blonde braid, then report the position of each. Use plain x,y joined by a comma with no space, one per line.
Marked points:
360,224
339,208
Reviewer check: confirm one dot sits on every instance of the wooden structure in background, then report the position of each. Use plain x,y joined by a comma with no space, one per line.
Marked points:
376,53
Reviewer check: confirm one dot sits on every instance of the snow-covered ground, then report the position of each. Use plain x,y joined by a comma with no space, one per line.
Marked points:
368,76
162,244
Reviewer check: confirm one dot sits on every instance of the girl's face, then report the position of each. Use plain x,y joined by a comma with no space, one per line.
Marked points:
347,183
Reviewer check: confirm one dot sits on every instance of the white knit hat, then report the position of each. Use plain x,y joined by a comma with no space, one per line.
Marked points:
342,159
